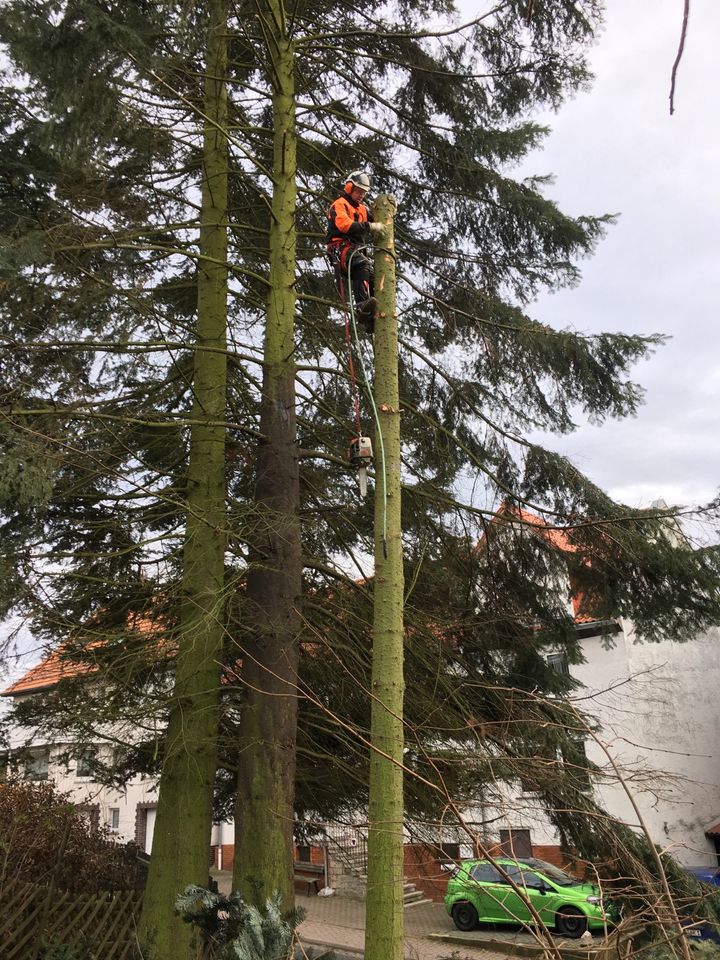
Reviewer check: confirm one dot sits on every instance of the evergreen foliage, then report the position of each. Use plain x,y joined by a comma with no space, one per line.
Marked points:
238,930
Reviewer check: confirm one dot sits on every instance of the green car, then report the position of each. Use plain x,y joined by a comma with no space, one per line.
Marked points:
479,893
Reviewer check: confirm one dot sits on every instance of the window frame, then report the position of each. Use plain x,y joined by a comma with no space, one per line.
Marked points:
89,752
558,661
35,757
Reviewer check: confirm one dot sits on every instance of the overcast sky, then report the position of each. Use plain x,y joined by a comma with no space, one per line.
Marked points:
616,149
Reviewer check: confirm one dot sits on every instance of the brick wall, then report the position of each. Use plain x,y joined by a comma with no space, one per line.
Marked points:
228,853
228,849
316,854
553,854
422,867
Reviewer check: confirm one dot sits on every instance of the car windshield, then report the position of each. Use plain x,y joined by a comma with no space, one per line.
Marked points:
553,873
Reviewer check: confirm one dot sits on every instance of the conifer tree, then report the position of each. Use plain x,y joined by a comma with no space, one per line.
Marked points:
188,771
264,811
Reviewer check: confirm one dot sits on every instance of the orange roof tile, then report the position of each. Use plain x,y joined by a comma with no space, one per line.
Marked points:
47,673
54,668
557,537
57,666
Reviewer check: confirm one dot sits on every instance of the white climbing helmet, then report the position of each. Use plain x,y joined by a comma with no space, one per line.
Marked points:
358,178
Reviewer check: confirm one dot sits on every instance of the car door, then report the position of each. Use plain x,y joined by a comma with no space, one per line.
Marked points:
489,890
534,889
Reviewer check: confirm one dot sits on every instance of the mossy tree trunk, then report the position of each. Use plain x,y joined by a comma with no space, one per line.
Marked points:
181,841
266,756
384,921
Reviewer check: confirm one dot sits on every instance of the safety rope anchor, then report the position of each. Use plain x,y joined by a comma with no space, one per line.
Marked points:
361,456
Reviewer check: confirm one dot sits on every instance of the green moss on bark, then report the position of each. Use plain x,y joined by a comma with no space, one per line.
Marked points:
181,840
266,759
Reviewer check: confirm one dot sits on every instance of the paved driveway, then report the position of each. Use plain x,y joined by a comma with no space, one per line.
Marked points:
340,923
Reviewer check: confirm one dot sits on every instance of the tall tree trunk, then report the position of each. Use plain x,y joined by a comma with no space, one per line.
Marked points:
266,760
181,840
384,919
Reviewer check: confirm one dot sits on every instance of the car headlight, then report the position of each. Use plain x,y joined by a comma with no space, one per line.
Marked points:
593,899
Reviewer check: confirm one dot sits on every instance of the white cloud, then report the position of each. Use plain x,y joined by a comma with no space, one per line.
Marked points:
617,149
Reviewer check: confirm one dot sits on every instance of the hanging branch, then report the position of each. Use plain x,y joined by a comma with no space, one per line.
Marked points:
678,58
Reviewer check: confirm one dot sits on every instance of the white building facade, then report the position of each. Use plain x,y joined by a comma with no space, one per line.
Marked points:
659,747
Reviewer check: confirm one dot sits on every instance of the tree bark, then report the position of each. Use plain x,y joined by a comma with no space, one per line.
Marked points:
266,757
384,919
181,841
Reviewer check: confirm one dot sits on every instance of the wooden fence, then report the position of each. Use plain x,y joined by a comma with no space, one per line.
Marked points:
100,925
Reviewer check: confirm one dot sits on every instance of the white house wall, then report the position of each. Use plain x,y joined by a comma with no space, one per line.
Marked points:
659,707
84,790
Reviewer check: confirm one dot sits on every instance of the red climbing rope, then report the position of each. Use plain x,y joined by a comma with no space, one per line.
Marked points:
348,343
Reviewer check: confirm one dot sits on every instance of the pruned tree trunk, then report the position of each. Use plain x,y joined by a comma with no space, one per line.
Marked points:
266,756
181,841
384,921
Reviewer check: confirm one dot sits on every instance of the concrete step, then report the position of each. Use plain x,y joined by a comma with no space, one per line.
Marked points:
412,896
417,903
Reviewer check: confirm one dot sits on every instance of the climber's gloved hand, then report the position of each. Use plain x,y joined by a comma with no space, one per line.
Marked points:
376,229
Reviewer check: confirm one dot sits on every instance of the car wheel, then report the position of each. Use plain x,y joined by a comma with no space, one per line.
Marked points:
464,916
570,922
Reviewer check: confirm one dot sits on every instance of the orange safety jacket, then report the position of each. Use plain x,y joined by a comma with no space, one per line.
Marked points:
347,221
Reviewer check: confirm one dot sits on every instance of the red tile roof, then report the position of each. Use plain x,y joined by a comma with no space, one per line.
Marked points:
47,673
58,666
562,538
55,668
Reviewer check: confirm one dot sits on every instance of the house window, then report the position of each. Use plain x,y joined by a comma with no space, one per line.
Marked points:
304,853
559,663
114,819
85,762
36,765
516,843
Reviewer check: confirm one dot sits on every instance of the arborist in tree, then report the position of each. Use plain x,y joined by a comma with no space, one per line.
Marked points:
350,228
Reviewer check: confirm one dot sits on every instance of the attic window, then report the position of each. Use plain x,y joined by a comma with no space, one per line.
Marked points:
559,663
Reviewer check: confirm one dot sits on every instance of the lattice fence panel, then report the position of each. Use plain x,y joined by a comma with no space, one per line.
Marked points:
32,916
